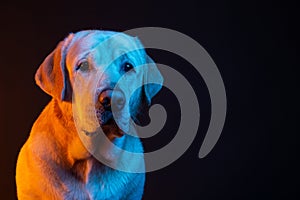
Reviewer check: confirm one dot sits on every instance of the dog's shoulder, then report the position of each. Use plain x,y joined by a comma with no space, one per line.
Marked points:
47,139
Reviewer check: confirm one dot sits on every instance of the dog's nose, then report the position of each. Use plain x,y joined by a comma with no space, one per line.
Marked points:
105,98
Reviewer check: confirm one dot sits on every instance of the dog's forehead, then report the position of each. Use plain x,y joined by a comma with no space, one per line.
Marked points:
100,42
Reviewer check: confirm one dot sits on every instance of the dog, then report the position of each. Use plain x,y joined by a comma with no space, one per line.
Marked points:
59,160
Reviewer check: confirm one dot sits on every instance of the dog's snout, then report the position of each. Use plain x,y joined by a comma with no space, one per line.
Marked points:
107,101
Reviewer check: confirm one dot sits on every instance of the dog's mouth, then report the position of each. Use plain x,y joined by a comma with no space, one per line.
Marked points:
108,124
102,148
111,129
107,120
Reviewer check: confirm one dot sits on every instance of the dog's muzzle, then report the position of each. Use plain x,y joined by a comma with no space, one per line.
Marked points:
106,100
110,101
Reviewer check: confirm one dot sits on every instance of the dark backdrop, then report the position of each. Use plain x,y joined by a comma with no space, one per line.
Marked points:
253,47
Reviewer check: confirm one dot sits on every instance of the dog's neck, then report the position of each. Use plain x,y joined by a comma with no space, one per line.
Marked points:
76,150
82,168
80,160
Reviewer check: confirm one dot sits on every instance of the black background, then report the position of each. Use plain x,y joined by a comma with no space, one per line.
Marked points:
253,45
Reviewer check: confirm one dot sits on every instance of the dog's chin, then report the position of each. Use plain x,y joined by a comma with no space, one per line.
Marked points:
111,130
107,150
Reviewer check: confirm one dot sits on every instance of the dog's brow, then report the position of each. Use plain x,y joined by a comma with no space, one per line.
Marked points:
123,57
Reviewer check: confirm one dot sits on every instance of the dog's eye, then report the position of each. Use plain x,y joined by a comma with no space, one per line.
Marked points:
84,66
127,66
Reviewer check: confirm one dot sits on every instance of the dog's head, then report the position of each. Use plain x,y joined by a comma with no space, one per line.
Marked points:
86,66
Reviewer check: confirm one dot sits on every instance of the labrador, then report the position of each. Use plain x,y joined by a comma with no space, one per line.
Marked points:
60,158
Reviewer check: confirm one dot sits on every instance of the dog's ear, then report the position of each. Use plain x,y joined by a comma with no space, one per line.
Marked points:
151,74
52,76
140,106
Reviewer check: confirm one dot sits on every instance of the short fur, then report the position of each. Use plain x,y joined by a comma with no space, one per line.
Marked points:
54,163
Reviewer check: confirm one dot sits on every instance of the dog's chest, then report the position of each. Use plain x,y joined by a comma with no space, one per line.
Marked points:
100,181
